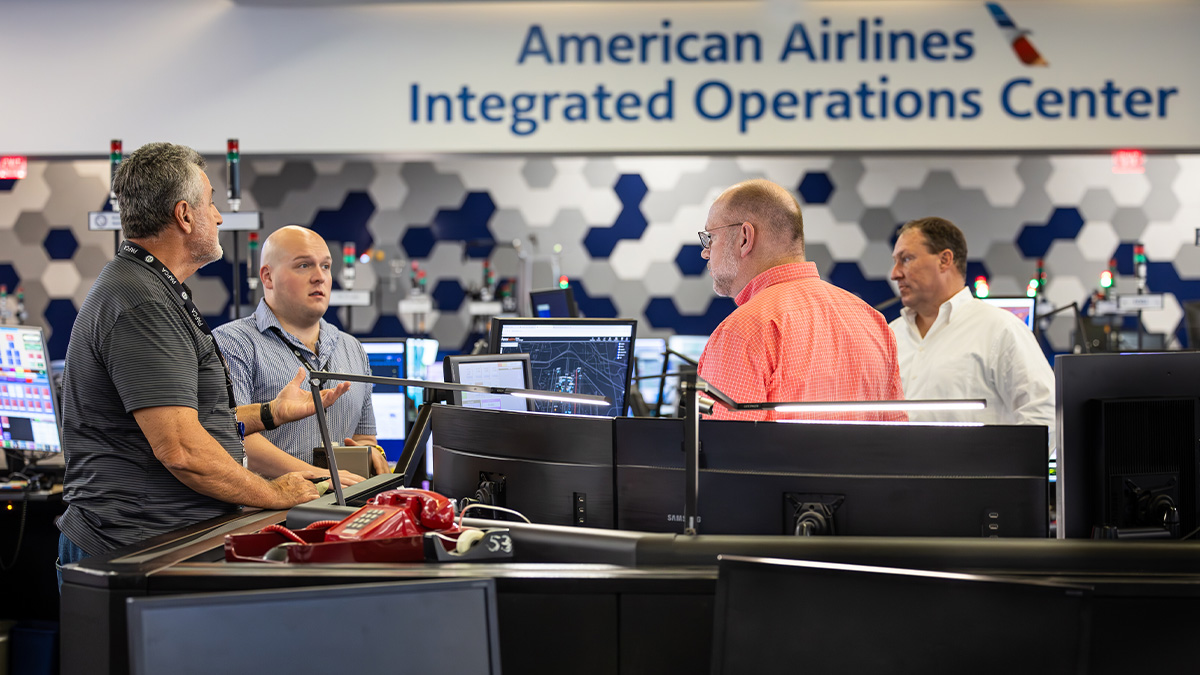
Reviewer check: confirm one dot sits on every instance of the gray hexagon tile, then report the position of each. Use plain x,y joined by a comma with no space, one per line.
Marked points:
31,193
819,254
1097,241
601,172
996,176
1097,204
60,278
1129,223
1074,174
437,191
885,176
1003,259
388,189
539,173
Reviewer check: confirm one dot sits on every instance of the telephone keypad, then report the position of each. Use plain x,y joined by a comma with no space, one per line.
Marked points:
362,520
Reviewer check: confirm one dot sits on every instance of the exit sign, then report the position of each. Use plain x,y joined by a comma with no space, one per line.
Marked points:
13,167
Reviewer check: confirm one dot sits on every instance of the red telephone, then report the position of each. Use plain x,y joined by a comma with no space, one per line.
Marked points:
404,512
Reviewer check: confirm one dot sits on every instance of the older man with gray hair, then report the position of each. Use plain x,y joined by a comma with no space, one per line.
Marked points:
153,442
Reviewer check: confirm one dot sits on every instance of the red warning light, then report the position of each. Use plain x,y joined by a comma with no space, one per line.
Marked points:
1128,161
13,167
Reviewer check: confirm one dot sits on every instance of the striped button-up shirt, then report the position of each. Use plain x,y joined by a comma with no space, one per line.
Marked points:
794,337
261,365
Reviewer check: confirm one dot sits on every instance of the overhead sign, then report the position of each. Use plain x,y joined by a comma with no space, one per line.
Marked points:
619,77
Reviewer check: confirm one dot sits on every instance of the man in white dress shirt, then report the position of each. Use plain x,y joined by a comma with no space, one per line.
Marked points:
952,345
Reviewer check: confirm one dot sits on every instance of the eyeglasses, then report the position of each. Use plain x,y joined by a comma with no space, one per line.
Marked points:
706,235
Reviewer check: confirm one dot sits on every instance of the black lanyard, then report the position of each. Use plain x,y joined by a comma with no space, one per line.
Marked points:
143,257
292,348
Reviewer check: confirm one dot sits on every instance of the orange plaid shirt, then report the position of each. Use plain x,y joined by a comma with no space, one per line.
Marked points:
794,337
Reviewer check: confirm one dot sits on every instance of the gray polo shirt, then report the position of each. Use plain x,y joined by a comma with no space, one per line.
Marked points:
133,346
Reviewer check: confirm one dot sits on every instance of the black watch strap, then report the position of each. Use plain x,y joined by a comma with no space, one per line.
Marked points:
264,414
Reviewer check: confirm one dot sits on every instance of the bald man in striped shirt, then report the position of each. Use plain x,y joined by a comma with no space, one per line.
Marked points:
288,330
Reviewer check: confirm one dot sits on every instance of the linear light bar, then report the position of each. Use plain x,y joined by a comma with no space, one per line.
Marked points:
876,406
585,399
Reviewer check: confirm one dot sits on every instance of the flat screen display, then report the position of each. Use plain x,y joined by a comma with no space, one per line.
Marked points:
582,356
1022,308
386,358
553,303
452,628
28,416
490,370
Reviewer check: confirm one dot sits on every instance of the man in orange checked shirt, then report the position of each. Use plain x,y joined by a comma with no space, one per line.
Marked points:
792,337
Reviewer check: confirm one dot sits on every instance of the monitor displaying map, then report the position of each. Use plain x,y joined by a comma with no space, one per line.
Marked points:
582,356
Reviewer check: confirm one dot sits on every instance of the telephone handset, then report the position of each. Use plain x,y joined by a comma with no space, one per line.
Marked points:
404,512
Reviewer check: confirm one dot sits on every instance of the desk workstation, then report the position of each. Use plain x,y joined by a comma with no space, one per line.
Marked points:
619,588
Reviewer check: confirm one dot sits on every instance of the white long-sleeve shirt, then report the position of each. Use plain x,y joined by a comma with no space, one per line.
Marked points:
975,350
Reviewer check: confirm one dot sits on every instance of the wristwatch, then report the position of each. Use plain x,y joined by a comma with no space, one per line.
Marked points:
264,414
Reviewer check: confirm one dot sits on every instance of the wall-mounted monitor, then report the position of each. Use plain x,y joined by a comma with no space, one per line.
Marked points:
492,370
582,356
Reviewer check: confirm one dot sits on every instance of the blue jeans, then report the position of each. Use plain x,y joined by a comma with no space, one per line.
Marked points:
68,553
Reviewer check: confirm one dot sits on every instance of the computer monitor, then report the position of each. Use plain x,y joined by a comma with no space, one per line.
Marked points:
1128,454
1023,308
29,419
691,346
784,616
554,469
861,479
553,303
420,356
493,370
452,629
648,360
583,356
386,356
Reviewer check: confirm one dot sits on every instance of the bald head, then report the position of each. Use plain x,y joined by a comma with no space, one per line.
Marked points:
296,274
771,208
751,227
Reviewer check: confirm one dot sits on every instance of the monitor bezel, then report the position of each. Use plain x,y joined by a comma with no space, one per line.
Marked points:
499,323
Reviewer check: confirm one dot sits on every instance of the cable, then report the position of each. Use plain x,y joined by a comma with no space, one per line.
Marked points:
287,534
468,507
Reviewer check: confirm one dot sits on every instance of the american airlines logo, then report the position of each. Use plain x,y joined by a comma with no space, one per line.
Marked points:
1017,37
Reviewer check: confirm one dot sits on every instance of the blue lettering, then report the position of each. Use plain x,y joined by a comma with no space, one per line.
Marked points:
1006,94
722,90
797,41
535,45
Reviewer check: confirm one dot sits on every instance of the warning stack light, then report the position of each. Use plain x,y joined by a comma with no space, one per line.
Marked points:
1139,266
981,287
251,258
233,174
348,254
114,160
563,282
1106,277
